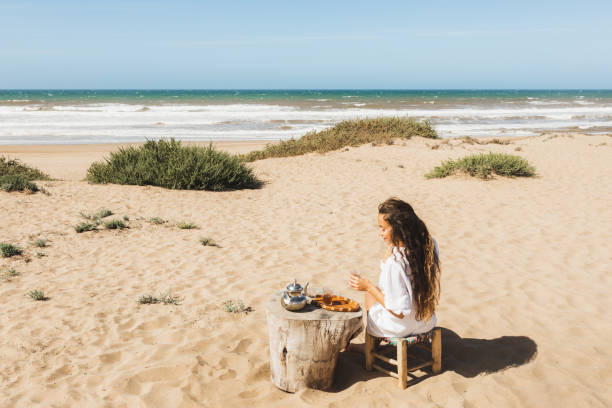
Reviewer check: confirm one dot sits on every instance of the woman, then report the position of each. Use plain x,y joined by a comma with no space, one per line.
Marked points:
408,290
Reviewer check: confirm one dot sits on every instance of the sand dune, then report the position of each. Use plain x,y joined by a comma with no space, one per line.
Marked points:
525,287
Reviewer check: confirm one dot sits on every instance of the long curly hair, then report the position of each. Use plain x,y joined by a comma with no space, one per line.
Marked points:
408,230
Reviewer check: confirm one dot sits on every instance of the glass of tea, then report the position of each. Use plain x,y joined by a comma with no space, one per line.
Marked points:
327,296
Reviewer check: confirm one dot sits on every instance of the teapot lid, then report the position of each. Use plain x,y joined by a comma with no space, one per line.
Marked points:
294,286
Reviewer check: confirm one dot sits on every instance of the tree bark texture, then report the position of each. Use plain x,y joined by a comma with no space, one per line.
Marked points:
304,345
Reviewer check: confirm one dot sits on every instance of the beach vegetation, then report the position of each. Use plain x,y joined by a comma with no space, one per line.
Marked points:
347,133
126,218
208,242
8,250
98,215
157,220
166,299
40,254
37,294
186,225
472,140
115,224
40,243
13,167
168,164
12,182
8,273
85,226
236,306
484,165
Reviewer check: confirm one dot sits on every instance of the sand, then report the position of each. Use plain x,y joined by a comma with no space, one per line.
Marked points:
525,287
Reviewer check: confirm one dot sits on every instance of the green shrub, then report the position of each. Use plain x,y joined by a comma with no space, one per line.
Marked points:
186,225
147,300
157,220
85,226
346,133
37,294
170,165
12,167
208,242
236,306
115,224
41,243
167,299
101,213
8,273
13,182
8,250
483,165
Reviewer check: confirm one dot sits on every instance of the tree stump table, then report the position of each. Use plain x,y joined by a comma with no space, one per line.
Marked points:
304,345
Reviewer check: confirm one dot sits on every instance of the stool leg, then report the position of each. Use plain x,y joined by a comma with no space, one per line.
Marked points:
402,363
369,349
436,351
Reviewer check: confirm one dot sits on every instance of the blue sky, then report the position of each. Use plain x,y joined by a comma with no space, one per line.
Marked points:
305,45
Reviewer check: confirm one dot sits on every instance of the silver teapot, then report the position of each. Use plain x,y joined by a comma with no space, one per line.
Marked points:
294,296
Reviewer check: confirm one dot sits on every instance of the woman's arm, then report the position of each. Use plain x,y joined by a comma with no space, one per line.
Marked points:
364,284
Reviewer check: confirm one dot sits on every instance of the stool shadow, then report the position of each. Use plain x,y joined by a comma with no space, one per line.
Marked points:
467,357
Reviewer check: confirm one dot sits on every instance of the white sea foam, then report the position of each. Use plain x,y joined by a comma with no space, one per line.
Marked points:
111,122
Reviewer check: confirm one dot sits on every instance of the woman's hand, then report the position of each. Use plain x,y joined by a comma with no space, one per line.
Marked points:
358,283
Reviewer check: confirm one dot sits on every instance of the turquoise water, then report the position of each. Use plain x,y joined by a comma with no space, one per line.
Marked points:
105,116
287,96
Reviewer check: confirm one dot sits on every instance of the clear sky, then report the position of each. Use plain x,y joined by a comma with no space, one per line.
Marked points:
305,44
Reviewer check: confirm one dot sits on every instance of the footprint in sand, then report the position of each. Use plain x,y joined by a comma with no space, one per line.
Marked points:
242,346
110,358
59,373
248,394
228,375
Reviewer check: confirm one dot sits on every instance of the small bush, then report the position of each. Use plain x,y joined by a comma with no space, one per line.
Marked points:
157,220
85,226
483,165
10,183
170,165
471,140
167,299
115,224
208,242
148,300
186,225
236,306
346,133
126,218
8,250
37,294
98,215
41,243
8,273
12,167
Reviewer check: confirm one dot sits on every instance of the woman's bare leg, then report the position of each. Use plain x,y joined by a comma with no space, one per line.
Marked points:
360,348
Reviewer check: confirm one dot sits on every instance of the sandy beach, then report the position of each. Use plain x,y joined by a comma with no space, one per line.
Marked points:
526,278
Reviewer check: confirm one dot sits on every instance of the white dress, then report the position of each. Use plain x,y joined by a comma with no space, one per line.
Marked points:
394,282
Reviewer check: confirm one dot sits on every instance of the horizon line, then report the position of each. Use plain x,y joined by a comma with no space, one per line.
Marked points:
305,89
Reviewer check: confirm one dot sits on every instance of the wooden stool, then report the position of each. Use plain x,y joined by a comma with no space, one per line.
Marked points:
430,341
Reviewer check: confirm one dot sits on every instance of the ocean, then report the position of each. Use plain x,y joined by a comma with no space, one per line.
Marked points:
109,116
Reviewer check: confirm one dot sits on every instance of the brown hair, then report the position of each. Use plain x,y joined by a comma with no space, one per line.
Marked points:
408,229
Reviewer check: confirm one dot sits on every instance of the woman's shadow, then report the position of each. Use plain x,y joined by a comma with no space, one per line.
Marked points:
466,356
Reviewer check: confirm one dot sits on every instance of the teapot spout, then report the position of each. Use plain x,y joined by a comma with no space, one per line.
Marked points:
306,289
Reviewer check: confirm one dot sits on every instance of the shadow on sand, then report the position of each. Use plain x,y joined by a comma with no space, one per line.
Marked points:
465,356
